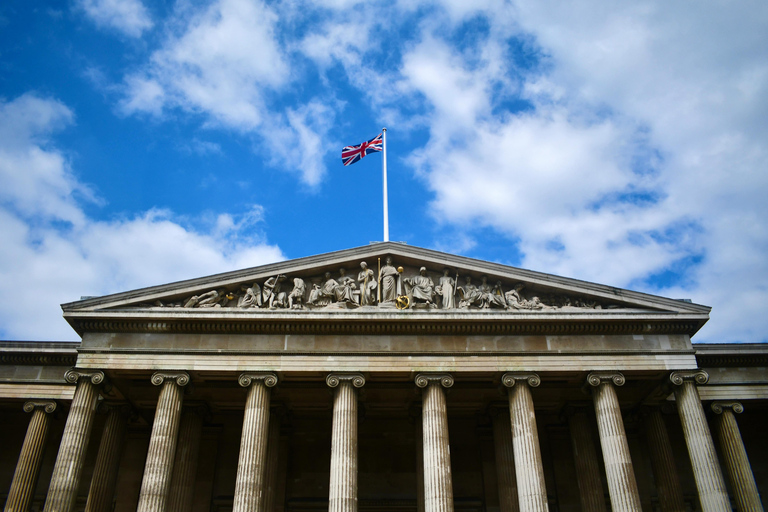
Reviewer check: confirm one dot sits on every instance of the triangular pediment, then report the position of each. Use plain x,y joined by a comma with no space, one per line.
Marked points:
399,279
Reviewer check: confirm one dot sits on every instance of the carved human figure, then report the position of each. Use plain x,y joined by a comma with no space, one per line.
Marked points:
296,297
211,299
315,294
515,299
447,290
388,281
271,295
346,287
251,298
328,290
366,279
421,288
469,293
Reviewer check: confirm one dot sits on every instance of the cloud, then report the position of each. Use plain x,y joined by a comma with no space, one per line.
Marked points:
53,252
128,16
224,63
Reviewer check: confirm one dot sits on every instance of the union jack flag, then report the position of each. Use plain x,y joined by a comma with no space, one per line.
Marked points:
352,154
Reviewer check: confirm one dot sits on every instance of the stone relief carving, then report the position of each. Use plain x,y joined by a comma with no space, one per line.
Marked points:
389,287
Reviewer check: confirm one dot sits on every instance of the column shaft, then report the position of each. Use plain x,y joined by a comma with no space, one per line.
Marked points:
343,485
65,480
505,462
272,463
701,449
185,463
736,461
249,486
102,490
619,472
28,467
587,465
663,462
158,468
531,488
438,487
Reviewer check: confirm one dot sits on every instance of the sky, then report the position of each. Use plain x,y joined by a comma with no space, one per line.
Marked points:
624,143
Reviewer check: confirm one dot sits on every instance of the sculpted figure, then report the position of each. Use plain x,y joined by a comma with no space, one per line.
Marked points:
422,288
489,297
296,297
251,298
315,294
447,290
211,299
470,295
346,287
515,299
328,290
388,281
367,282
270,293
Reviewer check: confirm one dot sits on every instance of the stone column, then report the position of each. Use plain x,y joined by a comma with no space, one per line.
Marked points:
28,467
102,490
162,443
622,485
271,465
343,485
505,461
701,448
438,487
65,480
736,461
249,486
185,461
663,462
531,488
587,464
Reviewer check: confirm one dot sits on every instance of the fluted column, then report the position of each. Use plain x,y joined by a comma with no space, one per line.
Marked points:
587,464
531,488
736,461
663,463
701,448
249,486
271,465
158,468
28,467
619,471
102,490
505,461
65,480
438,487
185,461
343,485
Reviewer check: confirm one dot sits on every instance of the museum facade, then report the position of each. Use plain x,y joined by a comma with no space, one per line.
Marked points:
383,378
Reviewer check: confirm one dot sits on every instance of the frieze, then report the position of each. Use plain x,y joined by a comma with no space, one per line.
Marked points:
389,287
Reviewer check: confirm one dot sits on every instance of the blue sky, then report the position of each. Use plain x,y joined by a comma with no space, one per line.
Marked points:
148,142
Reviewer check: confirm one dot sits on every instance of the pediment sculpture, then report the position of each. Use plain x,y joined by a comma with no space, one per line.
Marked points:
389,287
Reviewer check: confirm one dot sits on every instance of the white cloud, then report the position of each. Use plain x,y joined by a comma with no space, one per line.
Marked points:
130,17
53,252
223,63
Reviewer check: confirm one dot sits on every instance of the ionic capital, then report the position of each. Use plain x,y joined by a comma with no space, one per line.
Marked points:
181,378
510,378
698,376
596,378
267,378
46,405
720,406
423,379
334,379
73,375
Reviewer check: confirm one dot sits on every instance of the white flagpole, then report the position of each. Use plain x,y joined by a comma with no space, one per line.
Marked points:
384,173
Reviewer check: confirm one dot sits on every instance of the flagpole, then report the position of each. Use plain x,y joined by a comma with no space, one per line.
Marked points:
384,175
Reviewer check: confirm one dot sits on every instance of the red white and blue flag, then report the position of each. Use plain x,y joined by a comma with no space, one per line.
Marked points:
352,154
